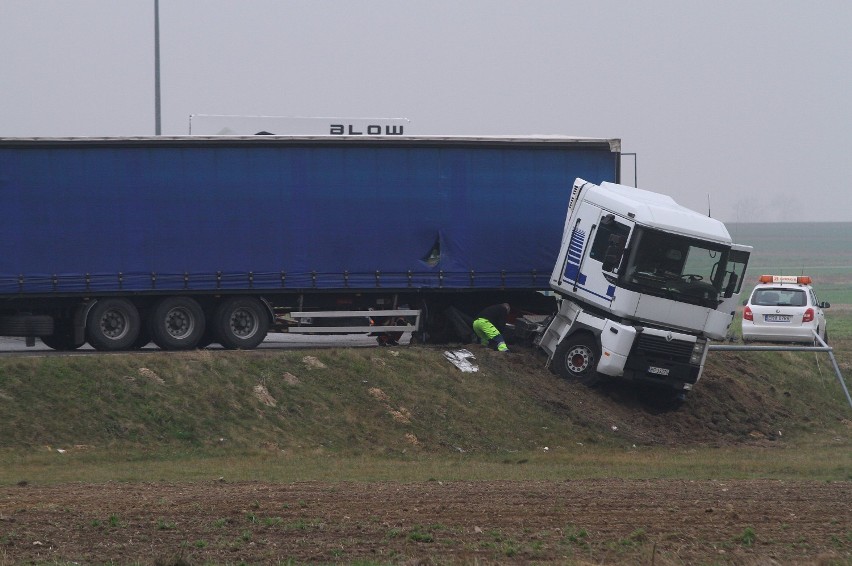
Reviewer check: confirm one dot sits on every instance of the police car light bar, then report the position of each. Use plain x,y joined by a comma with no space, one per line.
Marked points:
801,279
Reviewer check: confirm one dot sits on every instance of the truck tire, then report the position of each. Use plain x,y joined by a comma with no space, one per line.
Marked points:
241,323
576,358
62,338
60,342
177,323
40,325
113,324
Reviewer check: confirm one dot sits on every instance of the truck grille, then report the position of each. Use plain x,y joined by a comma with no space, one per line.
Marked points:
675,350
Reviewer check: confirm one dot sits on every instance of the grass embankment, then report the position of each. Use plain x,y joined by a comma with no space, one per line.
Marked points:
407,414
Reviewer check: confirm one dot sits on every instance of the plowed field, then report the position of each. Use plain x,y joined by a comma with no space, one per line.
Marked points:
582,522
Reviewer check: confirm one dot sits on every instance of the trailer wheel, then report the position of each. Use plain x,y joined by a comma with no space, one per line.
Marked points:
60,342
113,324
241,323
40,325
576,358
177,323
62,338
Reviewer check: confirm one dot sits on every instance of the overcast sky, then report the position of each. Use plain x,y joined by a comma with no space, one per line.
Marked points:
745,105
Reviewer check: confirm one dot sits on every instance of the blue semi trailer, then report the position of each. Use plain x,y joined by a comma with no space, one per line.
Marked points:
192,240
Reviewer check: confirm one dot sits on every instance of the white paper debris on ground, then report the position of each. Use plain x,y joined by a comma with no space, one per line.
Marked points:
462,359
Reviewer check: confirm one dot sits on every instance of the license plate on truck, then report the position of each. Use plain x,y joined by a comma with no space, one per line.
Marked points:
777,318
658,371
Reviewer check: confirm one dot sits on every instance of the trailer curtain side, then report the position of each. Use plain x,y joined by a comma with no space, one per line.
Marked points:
115,216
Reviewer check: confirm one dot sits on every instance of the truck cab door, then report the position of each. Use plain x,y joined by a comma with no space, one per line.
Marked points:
719,320
591,254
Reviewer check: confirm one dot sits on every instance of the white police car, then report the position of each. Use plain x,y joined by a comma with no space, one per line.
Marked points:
784,308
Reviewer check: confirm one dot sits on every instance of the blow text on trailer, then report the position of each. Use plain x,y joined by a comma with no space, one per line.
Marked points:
237,125
644,284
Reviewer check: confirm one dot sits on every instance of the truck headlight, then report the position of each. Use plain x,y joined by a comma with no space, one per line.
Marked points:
698,352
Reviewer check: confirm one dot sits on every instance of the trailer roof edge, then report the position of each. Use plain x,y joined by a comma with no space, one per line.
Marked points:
614,144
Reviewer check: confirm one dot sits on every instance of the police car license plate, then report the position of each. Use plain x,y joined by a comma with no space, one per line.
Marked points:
658,371
777,318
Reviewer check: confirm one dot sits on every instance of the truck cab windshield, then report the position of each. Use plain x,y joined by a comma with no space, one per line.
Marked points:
678,268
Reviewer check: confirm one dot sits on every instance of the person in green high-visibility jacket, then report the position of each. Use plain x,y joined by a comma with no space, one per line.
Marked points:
490,324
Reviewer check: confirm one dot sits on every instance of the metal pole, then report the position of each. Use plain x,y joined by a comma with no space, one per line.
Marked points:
836,368
823,348
157,129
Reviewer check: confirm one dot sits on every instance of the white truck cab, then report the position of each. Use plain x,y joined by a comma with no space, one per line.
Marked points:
644,283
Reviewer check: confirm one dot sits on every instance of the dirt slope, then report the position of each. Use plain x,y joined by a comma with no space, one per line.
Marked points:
736,402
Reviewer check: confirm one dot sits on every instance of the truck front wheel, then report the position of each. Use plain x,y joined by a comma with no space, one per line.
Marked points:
241,323
113,324
576,359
